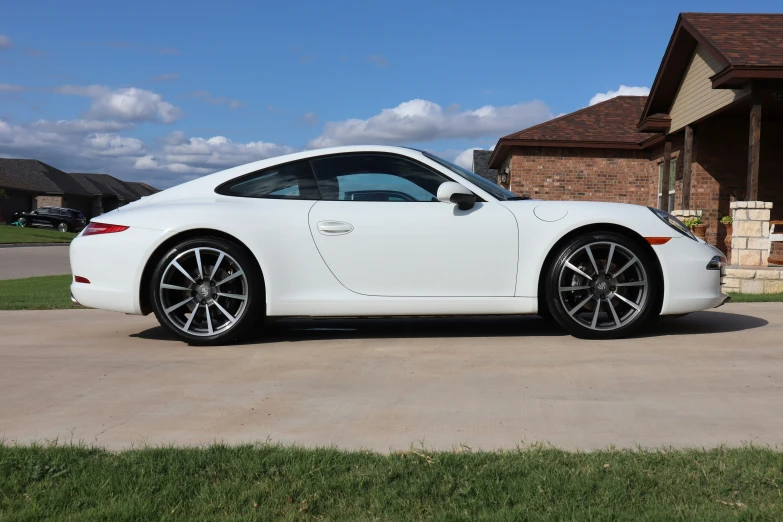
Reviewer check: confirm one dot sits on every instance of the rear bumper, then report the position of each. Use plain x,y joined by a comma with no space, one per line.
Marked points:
113,263
688,285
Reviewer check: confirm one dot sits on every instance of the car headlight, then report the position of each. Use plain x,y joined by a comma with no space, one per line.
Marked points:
673,222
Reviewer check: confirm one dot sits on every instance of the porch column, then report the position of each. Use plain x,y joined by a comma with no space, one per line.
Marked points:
686,168
667,157
753,147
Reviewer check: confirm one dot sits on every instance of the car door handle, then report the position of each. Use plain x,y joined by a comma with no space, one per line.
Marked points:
334,228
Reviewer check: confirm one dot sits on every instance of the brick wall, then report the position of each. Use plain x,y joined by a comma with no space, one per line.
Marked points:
48,201
583,174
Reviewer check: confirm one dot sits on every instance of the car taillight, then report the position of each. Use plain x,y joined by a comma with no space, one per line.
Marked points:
102,228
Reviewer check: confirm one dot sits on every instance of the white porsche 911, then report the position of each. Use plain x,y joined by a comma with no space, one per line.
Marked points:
384,231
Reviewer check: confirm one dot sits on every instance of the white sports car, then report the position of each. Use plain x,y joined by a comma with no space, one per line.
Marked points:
384,231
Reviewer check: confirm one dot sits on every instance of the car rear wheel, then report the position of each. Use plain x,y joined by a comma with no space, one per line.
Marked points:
600,286
208,291
63,227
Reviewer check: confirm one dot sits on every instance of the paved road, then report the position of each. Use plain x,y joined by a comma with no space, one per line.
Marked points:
18,262
118,381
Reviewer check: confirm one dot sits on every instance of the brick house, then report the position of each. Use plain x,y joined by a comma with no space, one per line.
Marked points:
30,184
714,116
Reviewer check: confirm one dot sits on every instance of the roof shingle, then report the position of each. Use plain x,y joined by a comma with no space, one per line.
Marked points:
613,120
754,40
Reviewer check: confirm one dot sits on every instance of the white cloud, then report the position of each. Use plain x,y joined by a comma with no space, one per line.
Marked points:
380,61
207,97
165,77
624,90
109,144
206,155
5,42
128,103
421,120
80,126
465,158
7,87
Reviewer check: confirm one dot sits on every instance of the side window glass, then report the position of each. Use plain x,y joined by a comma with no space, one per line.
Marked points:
289,181
375,177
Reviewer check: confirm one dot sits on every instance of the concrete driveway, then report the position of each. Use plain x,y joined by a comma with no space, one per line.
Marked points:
119,381
19,262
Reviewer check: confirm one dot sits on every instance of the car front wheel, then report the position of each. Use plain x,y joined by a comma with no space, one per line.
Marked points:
208,291
600,286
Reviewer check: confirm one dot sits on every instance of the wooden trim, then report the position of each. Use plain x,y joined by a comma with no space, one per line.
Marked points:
754,138
686,168
733,77
667,159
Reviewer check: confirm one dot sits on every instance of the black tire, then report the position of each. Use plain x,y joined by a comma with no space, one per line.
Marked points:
63,227
607,303
236,266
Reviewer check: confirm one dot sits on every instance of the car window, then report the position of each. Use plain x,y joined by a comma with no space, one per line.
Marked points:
290,181
375,177
44,211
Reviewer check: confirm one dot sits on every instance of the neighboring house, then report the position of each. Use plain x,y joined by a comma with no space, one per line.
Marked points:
481,165
714,115
30,184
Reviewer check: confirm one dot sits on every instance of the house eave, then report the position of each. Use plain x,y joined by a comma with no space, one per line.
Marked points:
734,77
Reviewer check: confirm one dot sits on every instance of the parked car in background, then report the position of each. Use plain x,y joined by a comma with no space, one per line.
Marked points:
62,219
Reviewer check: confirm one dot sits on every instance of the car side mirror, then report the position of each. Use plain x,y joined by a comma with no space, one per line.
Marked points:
453,192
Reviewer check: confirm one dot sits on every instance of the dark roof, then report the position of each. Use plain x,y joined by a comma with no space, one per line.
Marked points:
37,176
742,39
481,165
609,124
748,46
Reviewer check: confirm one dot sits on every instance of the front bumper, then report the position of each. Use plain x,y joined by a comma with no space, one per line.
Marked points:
688,285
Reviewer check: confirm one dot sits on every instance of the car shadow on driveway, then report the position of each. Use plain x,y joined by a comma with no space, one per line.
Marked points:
291,330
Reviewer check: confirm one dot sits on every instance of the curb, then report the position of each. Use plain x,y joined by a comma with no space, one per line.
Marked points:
19,245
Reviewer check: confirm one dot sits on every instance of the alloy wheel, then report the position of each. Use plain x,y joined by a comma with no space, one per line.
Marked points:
203,291
62,227
603,286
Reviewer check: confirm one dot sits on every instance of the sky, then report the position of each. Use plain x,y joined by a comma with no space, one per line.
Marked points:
167,91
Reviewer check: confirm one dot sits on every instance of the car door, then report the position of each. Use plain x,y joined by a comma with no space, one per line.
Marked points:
412,245
41,217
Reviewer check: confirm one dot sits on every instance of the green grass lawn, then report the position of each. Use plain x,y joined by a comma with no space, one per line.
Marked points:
756,298
9,234
36,293
265,482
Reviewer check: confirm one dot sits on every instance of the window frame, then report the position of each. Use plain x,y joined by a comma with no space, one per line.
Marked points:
385,154
223,188
672,183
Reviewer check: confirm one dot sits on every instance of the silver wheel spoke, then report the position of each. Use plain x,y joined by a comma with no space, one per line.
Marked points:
233,296
633,283
179,267
579,306
625,267
592,259
609,258
224,312
198,262
181,303
217,264
167,286
190,319
573,288
229,278
595,315
614,313
209,319
575,269
628,302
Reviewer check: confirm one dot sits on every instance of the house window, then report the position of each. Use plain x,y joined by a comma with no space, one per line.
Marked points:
672,183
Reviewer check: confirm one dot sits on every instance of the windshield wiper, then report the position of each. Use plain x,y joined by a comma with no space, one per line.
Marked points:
517,198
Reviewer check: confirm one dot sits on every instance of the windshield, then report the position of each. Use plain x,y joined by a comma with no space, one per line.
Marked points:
484,184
